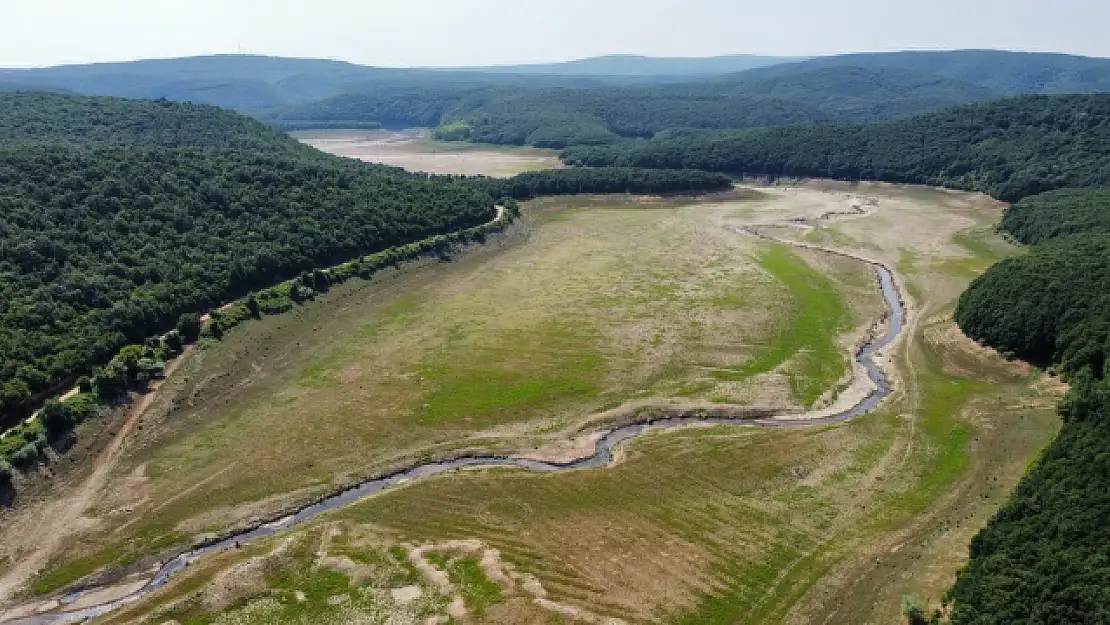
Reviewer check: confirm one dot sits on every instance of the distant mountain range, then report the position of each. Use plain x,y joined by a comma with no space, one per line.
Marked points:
257,83
1002,72
596,100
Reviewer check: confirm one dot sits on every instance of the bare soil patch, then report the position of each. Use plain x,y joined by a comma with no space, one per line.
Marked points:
414,150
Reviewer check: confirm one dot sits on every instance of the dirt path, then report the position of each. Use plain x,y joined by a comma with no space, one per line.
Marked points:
61,517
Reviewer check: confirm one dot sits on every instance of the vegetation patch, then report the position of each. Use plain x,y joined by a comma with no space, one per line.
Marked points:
817,316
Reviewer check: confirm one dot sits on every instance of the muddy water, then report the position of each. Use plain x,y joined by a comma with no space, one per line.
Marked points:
603,456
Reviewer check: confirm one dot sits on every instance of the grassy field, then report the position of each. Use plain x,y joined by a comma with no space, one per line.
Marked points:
597,304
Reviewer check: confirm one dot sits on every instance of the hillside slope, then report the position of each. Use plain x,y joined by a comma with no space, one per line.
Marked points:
49,117
1008,148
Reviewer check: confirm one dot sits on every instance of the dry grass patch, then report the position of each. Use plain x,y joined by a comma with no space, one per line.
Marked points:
414,150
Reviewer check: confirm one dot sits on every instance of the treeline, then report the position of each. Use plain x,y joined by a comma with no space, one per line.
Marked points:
603,180
102,247
1008,148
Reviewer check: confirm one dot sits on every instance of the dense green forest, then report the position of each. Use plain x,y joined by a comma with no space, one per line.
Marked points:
57,118
1058,213
1042,558
1008,148
1051,305
850,88
559,117
1002,72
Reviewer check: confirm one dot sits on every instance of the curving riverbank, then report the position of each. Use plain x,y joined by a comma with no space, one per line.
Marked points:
603,455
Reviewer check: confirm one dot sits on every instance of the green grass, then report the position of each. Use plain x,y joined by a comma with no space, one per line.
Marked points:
817,316
325,372
944,457
494,384
151,540
477,590
985,249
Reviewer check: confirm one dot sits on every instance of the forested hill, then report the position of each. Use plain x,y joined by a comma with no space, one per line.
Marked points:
551,117
853,94
1042,558
101,247
1002,72
52,118
1007,148
558,117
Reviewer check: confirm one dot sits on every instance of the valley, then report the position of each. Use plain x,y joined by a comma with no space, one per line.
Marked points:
645,303
740,339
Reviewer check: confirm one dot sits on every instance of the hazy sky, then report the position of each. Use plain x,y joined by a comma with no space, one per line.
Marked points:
480,32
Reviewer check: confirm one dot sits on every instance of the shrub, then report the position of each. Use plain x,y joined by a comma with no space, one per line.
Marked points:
914,611
57,419
26,456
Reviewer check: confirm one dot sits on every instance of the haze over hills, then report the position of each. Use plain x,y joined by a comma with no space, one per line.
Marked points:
634,65
880,85
250,83
1002,72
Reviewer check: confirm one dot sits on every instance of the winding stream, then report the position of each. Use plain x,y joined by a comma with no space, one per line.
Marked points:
603,456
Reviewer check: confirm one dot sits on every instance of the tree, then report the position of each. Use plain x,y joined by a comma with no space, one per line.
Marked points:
173,342
111,381
320,281
56,419
14,394
188,325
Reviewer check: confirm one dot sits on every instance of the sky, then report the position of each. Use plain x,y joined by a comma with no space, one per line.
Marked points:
405,33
